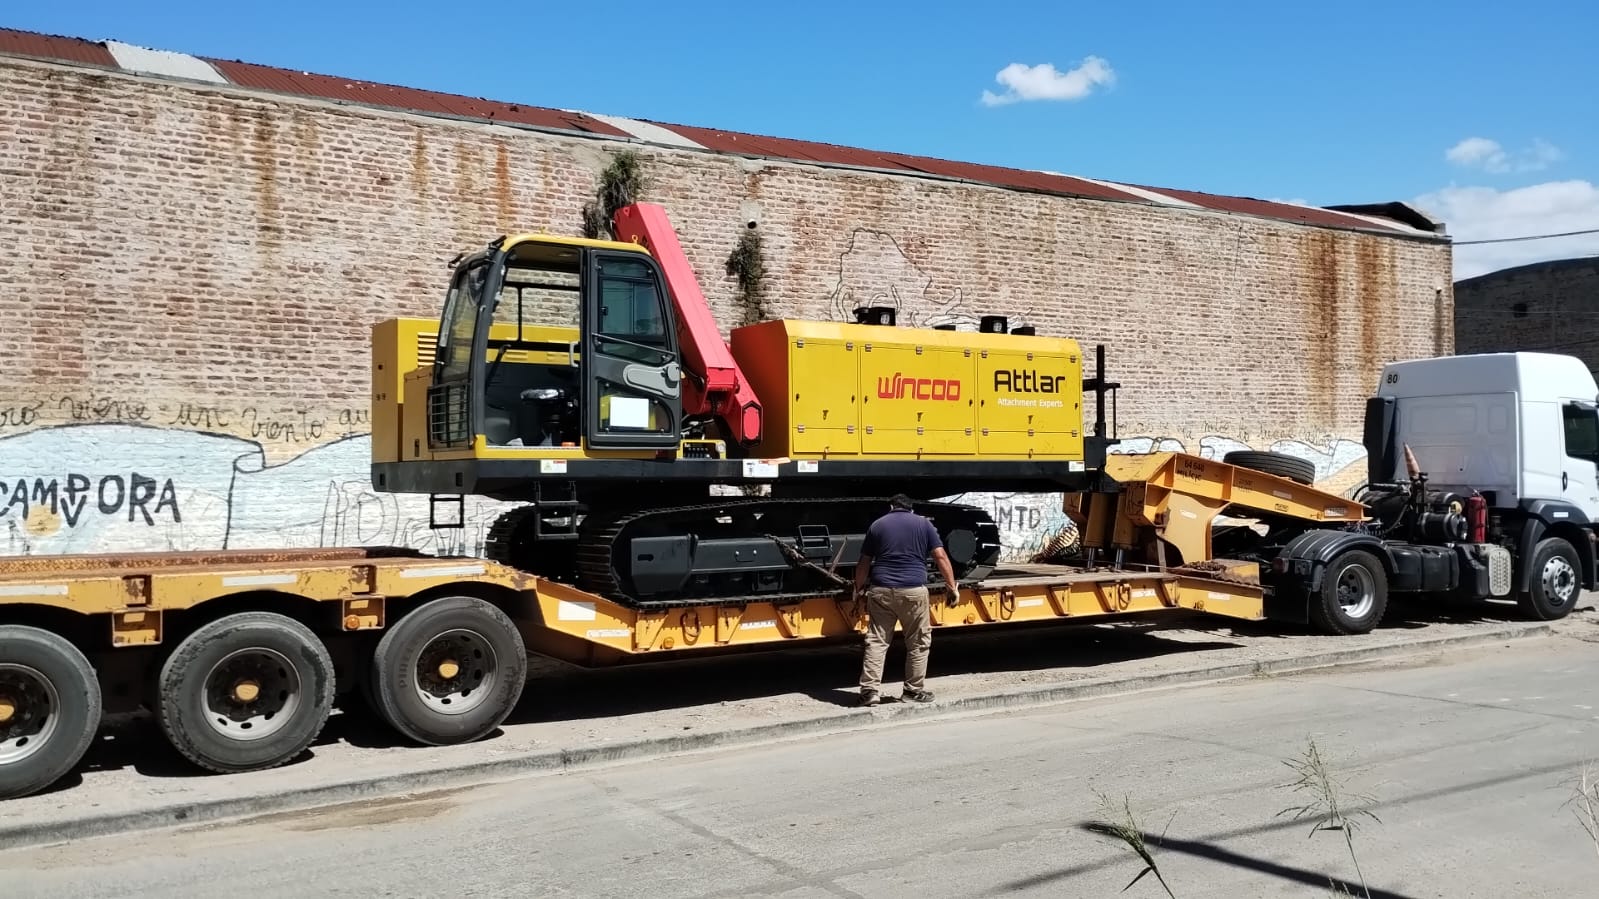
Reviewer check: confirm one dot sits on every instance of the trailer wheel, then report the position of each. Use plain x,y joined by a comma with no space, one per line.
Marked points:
1280,464
49,709
1555,581
449,672
1352,597
245,692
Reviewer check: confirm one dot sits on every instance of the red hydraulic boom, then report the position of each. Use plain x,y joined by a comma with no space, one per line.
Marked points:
715,385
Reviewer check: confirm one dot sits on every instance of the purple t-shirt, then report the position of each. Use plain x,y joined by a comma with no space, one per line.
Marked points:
900,544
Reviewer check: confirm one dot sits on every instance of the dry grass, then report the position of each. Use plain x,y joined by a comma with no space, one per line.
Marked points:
1328,805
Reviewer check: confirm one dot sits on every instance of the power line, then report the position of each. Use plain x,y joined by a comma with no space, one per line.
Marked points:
1467,243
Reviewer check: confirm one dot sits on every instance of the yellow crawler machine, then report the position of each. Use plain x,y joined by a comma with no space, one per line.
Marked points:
613,434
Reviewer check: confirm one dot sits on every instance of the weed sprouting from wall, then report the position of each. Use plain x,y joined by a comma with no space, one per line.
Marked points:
747,264
621,183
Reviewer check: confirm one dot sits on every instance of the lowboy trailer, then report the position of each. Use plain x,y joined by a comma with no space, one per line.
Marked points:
241,656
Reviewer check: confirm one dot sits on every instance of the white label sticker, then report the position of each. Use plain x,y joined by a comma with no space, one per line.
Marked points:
574,611
605,633
630,412
33,590
809,466
1028,603
1221,596
759,468
1282,495
449,571
1336,512
552,466
1074,466
757,625
257,580
1143,593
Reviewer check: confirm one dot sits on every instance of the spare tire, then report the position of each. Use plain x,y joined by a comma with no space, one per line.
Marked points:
1283,466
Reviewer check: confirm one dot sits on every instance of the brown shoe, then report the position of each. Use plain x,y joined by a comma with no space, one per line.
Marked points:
869,698
916,696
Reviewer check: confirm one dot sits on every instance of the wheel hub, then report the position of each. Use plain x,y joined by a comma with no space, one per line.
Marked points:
28,712
455,671
1355,591
1558,579
251,693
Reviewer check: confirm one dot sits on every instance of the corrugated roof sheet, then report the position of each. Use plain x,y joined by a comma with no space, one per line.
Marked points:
48,46
259,77
812,151
350,90
1309,215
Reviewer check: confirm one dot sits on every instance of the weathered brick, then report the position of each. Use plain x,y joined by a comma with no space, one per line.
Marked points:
1542,307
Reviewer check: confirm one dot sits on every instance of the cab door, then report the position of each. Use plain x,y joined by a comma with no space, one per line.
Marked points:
1579,463
630,361
451,403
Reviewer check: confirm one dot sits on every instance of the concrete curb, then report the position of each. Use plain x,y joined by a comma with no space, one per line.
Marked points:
200,811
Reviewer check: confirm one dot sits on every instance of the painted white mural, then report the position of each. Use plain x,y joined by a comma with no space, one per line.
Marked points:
135,488
132,488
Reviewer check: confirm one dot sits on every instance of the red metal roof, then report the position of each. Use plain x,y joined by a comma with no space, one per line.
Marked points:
787,148
1249,206
307,84
329,87
48,46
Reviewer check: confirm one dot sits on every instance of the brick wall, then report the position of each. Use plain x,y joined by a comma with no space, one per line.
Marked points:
1546,306
207,261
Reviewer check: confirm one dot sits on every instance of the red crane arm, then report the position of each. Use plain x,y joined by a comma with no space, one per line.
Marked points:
715,384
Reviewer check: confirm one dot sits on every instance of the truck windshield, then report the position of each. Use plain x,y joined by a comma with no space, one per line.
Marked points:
460,322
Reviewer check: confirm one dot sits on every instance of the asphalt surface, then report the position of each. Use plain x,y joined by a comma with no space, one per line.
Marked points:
1470,758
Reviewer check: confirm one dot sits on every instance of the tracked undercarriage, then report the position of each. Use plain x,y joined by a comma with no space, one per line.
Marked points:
757,548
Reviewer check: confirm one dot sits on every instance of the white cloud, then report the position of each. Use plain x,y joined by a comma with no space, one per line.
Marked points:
1490,156
1045,82
1483,213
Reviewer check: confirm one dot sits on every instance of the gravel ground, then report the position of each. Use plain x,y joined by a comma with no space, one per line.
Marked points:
131,768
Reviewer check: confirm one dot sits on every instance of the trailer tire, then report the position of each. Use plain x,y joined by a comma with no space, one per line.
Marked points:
1554,581
450,672
1353,595
1280,464
245,692
42,674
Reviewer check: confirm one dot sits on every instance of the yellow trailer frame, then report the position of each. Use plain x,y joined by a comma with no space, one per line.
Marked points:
340,609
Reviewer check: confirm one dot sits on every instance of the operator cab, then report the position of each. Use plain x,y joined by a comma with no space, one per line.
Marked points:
556,344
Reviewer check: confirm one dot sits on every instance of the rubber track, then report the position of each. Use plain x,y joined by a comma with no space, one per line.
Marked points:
597,544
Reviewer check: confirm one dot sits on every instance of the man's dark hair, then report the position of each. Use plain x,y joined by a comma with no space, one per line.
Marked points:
901,501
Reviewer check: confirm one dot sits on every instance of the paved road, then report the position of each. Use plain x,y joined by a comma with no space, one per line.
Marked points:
1469,758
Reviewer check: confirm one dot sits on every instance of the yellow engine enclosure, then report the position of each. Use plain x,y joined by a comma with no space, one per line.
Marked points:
832,390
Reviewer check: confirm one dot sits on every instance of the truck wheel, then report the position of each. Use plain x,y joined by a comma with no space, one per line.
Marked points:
49,709
1555,581
449,672
245,692
1352,597
1280,464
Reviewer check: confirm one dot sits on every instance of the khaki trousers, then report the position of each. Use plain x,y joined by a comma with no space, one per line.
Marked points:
907,607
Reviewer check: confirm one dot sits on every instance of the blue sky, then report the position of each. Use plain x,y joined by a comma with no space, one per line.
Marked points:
1483,113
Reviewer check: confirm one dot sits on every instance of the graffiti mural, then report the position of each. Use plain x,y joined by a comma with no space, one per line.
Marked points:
874,271
136,487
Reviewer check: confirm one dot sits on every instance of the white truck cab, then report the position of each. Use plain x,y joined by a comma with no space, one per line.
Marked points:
1520,428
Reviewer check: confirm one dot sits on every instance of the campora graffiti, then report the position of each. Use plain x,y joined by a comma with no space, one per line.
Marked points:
135,488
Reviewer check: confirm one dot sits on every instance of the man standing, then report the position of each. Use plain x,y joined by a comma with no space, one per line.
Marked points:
893,575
